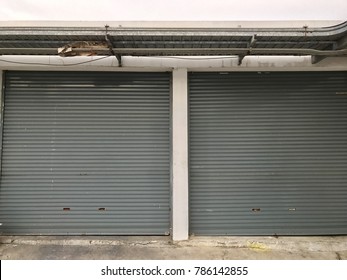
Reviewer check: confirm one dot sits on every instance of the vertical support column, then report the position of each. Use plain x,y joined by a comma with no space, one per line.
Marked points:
180,210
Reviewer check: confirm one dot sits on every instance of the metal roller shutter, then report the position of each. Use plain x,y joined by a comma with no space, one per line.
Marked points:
268,153
86,153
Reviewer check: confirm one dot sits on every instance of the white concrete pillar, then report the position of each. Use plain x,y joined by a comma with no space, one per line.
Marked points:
180,211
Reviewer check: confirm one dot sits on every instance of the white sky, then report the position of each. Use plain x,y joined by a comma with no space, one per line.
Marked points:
198,10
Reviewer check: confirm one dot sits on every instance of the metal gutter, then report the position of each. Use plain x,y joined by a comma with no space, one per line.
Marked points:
177,24
178,51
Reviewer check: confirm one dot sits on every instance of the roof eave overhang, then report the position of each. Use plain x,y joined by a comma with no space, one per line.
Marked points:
319,42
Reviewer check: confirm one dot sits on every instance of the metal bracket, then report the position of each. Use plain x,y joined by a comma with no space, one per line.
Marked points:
240,58
251,44
253,41
110,46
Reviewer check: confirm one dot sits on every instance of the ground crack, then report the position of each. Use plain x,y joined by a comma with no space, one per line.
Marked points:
224,257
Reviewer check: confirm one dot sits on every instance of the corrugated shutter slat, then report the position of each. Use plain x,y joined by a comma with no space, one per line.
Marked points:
86,153
268,153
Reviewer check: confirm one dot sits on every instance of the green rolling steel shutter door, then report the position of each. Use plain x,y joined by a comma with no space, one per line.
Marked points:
86,153
268,153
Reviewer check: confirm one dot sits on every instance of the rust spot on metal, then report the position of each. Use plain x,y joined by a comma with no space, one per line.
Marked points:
66,209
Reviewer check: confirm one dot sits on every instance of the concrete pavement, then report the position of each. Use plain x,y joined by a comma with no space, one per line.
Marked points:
162,248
